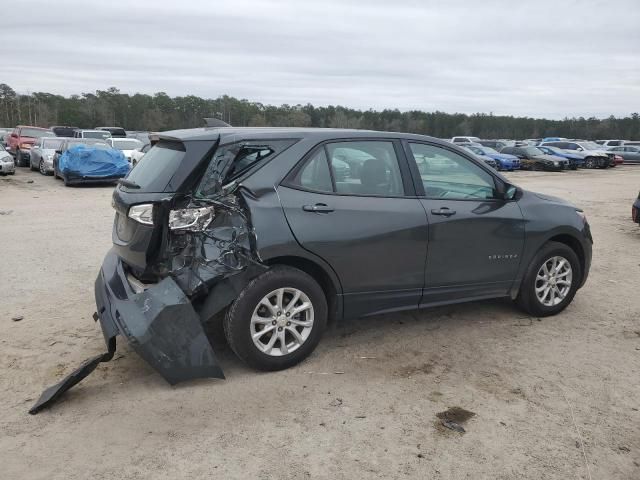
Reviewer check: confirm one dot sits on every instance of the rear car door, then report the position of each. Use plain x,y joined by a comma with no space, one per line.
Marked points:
352,203
476,237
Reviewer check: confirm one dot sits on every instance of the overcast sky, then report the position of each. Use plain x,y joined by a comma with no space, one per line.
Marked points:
536,58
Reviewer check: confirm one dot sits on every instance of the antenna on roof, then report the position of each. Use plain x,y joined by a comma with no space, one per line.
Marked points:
215,122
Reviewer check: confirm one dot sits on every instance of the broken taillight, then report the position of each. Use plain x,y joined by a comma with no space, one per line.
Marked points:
191,219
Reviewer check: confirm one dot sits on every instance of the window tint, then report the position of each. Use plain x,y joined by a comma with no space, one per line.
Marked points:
365,168
155,170
446,174
314,175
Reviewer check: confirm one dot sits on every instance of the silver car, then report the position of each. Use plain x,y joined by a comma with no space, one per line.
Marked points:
126,145
7,165
42,154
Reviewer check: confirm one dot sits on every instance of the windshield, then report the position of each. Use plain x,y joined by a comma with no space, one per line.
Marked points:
533,151
52,144
591,146
75,143
129,144
35,132
95,134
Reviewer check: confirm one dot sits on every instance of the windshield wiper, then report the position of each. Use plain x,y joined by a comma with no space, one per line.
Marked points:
128,183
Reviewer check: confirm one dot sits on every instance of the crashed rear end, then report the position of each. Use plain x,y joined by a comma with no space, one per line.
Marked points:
183,249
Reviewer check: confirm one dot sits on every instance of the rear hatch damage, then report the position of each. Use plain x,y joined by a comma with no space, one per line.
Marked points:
172,268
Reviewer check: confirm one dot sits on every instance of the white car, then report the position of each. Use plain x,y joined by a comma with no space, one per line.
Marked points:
465,140
126,145
610,143
137,155
100,134
7,164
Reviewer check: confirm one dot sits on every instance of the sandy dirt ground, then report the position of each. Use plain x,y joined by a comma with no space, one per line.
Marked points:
553,398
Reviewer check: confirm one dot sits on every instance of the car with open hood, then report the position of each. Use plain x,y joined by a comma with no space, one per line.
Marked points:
532,158
254,228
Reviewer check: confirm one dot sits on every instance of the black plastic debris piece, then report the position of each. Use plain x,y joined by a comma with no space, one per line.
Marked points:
17,318
454,417
53,393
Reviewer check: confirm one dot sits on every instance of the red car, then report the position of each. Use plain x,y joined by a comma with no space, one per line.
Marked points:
22,139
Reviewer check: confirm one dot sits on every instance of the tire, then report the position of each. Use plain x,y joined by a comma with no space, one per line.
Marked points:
41,168
589,162
18,160
238,320
528,299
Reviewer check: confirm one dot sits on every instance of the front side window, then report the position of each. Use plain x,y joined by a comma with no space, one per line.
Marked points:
365,168
446,174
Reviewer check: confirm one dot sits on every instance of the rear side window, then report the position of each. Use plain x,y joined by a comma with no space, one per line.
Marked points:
315,175
233,160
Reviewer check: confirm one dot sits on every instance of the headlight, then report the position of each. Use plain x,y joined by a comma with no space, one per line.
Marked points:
50,157
142,213
26,146
192,219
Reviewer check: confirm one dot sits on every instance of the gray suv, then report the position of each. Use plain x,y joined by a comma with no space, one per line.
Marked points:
254,228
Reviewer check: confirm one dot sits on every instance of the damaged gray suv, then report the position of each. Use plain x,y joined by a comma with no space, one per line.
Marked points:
275,232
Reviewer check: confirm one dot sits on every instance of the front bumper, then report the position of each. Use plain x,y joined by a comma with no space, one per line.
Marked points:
7,167
75,178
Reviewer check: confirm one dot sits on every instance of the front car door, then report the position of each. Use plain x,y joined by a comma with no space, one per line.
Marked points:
353,204
476,237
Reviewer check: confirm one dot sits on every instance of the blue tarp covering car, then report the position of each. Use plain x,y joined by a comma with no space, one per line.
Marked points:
92,164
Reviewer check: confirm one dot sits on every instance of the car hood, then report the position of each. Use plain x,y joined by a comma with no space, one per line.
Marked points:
504,156
551,198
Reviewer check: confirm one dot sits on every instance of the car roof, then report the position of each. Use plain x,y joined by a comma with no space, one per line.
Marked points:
227,134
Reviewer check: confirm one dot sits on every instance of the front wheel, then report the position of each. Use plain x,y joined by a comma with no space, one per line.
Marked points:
277,320
551,280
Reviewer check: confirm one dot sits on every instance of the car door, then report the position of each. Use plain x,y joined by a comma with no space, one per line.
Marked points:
352,203
476,237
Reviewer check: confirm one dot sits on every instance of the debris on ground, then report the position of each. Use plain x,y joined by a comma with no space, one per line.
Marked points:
6,212
454,417
17,318
336,403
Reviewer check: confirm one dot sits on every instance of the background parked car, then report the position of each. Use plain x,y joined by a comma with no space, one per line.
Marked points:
97,163
465,140
42,154
114,131
72,142
610,143
63,130
575,159
497,145
532,158
22,139
100,134
126,145
596,156
629,153
7,166
137,155
504,161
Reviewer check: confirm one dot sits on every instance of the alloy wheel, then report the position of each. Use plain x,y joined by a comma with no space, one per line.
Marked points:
553,281
42,170
282,321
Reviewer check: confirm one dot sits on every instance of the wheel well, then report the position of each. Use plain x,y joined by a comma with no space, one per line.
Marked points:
574,245
318,274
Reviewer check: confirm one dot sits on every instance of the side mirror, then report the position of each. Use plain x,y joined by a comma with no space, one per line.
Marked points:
580,149
508,191
14,135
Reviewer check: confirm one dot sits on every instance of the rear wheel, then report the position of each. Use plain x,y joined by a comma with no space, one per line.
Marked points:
589,162
551,280
277,320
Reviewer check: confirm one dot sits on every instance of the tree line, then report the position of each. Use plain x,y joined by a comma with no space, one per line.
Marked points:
160,112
